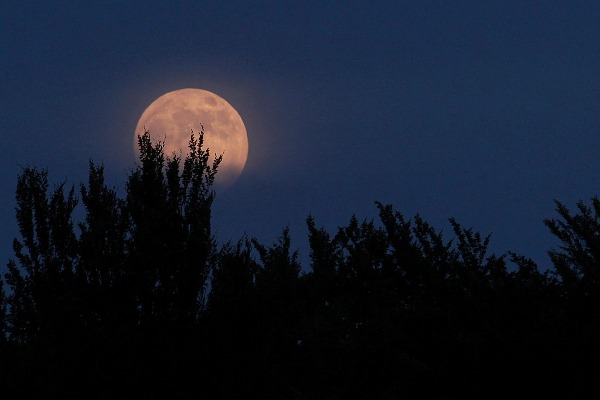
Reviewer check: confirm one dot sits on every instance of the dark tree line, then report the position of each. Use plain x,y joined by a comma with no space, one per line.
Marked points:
138,300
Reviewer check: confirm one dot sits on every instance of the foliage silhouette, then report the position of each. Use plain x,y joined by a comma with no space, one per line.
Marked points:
139,300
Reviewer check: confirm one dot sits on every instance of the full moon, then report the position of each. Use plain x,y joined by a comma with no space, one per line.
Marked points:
173,116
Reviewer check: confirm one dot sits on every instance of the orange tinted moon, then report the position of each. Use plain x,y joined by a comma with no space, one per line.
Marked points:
175,114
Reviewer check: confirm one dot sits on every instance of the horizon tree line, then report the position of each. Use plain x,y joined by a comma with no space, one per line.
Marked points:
138,299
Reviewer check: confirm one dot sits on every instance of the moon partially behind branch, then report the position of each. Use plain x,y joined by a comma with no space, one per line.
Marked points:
173,116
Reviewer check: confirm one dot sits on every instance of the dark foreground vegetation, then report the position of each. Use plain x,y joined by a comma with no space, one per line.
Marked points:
138,301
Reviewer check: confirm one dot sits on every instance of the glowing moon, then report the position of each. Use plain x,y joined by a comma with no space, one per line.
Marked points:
175,114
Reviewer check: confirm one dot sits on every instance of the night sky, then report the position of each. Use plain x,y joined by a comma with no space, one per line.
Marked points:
485,111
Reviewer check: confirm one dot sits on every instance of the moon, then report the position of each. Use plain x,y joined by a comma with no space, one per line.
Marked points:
174,115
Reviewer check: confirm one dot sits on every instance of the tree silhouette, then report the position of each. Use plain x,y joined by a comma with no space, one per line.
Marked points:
139,300
577,265
171,242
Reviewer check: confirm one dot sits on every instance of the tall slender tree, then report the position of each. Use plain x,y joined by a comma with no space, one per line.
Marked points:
42,298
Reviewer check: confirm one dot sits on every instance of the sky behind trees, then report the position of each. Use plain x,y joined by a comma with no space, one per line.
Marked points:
481,111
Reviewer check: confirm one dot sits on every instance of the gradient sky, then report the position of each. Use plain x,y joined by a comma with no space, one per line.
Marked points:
485,111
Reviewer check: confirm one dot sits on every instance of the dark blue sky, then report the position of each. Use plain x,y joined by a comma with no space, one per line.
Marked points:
480,110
